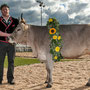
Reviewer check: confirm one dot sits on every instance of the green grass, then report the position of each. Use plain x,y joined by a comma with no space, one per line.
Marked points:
62,60
21,61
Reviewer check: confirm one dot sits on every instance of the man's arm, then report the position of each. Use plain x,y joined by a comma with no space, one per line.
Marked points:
4,34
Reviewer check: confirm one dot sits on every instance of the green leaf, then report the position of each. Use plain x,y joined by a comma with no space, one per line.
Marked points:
56,42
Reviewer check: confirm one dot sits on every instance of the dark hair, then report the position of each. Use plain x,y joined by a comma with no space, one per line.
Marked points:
3,5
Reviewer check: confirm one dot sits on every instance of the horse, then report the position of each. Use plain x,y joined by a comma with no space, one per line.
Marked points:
75,42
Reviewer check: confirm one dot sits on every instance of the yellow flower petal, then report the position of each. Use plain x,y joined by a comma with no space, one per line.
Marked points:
57,49
59,37
52,31
50,20
55,57
54,37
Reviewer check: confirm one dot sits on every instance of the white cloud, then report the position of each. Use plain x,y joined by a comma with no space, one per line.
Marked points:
66,11
72,15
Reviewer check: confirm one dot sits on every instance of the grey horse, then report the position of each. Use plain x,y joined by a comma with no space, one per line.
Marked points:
75,43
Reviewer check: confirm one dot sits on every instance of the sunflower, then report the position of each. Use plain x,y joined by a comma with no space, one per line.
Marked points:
57,49
59,37
55,57
50,20
52,31
54,37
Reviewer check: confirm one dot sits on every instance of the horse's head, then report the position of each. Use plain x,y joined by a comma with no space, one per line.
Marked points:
19,32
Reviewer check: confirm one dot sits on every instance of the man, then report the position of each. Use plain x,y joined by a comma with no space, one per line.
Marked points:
7,26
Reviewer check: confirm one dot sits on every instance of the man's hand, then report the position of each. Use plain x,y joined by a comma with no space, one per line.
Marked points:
4,34
10,40
8,35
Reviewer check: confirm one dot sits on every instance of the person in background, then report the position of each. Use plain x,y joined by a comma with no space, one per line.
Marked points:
7,26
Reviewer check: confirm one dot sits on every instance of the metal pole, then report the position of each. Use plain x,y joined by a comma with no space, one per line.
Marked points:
41,15
41,4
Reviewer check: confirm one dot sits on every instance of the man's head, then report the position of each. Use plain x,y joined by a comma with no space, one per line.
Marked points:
4,10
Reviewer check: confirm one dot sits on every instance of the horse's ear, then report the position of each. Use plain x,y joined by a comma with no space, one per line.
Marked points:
22,20
21,16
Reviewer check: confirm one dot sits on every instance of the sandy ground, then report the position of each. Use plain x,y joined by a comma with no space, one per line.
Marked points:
25,54
71,75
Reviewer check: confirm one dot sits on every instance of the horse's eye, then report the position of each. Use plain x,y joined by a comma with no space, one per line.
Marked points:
18,30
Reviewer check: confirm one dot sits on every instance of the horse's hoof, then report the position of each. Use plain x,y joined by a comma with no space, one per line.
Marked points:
46,81
88,84
48,86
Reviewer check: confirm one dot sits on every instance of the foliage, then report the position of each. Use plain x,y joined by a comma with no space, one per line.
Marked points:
56,39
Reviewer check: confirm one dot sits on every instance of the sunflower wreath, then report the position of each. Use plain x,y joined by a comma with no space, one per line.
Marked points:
56,39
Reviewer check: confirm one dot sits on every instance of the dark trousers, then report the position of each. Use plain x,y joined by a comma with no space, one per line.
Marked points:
9,49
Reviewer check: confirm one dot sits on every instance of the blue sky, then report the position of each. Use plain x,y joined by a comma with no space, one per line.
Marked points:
65,11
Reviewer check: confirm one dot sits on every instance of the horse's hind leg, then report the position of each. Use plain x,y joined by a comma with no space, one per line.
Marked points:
88,83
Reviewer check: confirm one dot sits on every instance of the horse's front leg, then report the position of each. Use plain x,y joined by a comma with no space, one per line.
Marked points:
49,68
49,77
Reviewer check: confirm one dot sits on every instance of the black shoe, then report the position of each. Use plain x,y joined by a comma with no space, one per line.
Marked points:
0,82
11,82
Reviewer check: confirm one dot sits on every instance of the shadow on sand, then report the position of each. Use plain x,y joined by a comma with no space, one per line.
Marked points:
82,88
36,87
